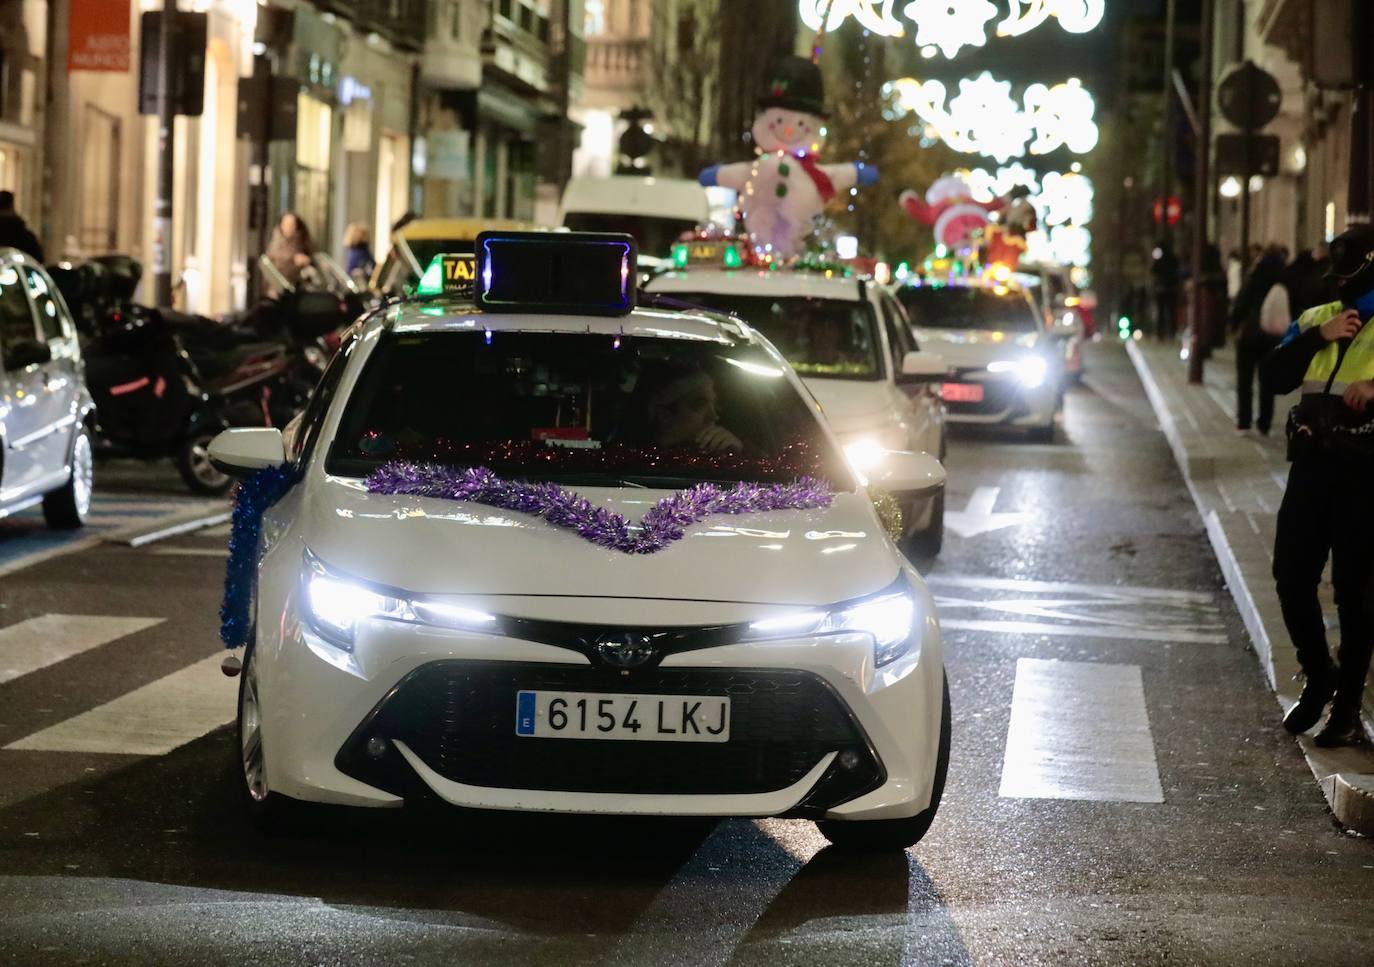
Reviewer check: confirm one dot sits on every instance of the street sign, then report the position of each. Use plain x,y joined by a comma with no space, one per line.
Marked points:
1249,97
188,63
1263,155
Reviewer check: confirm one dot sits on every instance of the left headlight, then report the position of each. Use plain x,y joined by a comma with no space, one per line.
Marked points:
890,617
333,605
1030,371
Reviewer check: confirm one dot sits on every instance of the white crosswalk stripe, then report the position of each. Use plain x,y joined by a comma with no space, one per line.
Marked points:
39,642
153,720
1079,730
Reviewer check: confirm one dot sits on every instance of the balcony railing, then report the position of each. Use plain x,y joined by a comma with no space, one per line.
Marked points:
614,62
401,22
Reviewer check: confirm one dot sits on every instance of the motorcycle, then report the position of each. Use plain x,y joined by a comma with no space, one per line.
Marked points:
165,383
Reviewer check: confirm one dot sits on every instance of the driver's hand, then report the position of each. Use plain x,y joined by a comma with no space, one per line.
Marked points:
1344,326
717,439
301,259
1359,394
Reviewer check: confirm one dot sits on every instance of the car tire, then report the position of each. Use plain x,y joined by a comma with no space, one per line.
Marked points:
193,463
888,835
267,810
927,543
68,507
1043,433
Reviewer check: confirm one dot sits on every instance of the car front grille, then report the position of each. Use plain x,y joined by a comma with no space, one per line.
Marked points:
459,718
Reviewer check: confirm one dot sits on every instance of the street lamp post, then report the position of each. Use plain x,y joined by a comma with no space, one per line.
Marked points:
166,114
1201,328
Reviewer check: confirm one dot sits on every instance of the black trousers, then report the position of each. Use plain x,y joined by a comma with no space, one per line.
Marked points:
1251,347
1327,509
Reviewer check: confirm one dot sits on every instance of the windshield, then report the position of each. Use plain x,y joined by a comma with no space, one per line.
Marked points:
964,307
587,408
831,338
654,235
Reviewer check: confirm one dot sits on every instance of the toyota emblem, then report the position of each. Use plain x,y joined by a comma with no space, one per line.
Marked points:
624,650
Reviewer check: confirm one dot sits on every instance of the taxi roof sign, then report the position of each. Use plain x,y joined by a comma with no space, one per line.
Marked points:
714,251
582,273
449,273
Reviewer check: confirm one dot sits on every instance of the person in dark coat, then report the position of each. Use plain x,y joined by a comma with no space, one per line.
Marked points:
1252,342
14,231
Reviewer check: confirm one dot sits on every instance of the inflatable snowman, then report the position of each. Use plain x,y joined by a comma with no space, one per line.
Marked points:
784,188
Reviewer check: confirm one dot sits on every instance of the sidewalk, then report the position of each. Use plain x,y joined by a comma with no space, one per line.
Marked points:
1237,482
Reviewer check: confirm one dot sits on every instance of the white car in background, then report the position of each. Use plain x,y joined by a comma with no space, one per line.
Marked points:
1006,368
851,343
403,645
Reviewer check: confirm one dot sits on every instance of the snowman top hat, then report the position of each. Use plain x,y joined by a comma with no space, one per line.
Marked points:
795,84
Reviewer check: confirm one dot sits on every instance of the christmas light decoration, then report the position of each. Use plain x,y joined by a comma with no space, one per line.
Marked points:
983,118
948,26
1075,16
1065,199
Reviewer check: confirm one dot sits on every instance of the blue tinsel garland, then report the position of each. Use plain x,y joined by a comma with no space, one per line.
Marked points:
256,493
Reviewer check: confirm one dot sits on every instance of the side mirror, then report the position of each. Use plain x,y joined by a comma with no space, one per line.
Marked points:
239,452
902,471
920,367
27,352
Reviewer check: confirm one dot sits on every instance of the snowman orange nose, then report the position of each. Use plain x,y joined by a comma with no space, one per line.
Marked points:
787,133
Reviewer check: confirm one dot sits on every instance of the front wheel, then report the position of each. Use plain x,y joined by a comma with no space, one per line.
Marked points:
199,474
884,835
267,810
68,507
927,543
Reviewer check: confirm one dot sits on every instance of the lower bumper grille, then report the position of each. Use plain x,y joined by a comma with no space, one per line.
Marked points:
459,718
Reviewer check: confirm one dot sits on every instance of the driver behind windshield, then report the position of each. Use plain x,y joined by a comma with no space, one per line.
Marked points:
676,406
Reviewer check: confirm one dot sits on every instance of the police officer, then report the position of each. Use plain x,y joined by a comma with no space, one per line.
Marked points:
1328,506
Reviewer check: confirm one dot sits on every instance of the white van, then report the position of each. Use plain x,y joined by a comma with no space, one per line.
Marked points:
654,210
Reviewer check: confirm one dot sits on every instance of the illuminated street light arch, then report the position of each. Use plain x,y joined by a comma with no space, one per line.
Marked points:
948,26
983,118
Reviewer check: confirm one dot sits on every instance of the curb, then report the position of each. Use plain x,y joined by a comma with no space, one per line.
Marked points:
1349,792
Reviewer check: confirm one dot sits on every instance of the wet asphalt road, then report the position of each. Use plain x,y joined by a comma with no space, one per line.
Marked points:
116,858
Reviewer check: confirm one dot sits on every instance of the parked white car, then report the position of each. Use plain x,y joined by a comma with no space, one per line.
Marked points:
852,345
45,408
512,650
1006,367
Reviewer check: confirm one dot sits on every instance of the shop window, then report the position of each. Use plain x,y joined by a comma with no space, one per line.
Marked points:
594,18
314,144
100,147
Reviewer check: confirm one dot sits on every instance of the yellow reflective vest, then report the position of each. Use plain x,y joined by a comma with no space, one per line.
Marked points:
1358,363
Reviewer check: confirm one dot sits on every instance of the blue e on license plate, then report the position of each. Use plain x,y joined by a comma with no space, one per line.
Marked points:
652,718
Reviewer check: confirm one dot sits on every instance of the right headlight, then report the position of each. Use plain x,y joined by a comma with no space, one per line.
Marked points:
892,618
333,605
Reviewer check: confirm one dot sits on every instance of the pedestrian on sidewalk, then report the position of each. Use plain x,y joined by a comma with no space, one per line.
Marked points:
291,250
14,231
1253,343
1326,510
1164,275
358,260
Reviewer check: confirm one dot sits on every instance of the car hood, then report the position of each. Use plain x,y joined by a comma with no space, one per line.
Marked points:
967,349
851,404
436,546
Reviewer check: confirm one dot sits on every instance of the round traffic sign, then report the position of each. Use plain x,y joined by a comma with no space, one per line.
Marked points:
1249,97
1175,209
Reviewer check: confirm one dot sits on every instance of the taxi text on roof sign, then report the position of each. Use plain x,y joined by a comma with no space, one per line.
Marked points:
450,274
708,252
581,273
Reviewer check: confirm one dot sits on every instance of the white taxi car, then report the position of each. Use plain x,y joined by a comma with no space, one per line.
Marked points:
851,344
553,552
1006,367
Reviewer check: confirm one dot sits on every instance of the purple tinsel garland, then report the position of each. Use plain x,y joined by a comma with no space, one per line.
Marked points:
660,526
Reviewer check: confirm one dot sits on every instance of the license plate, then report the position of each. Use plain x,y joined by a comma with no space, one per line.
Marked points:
649,718
962,392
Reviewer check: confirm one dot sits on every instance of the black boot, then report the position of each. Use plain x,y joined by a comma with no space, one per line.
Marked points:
1307,710
1342,728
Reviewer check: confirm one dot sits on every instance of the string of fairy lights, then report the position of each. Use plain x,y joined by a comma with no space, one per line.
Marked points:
982,115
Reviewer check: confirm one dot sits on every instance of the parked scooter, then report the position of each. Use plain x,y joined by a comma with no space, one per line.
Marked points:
166,383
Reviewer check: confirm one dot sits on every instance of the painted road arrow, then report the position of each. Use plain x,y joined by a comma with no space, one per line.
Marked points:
978,518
